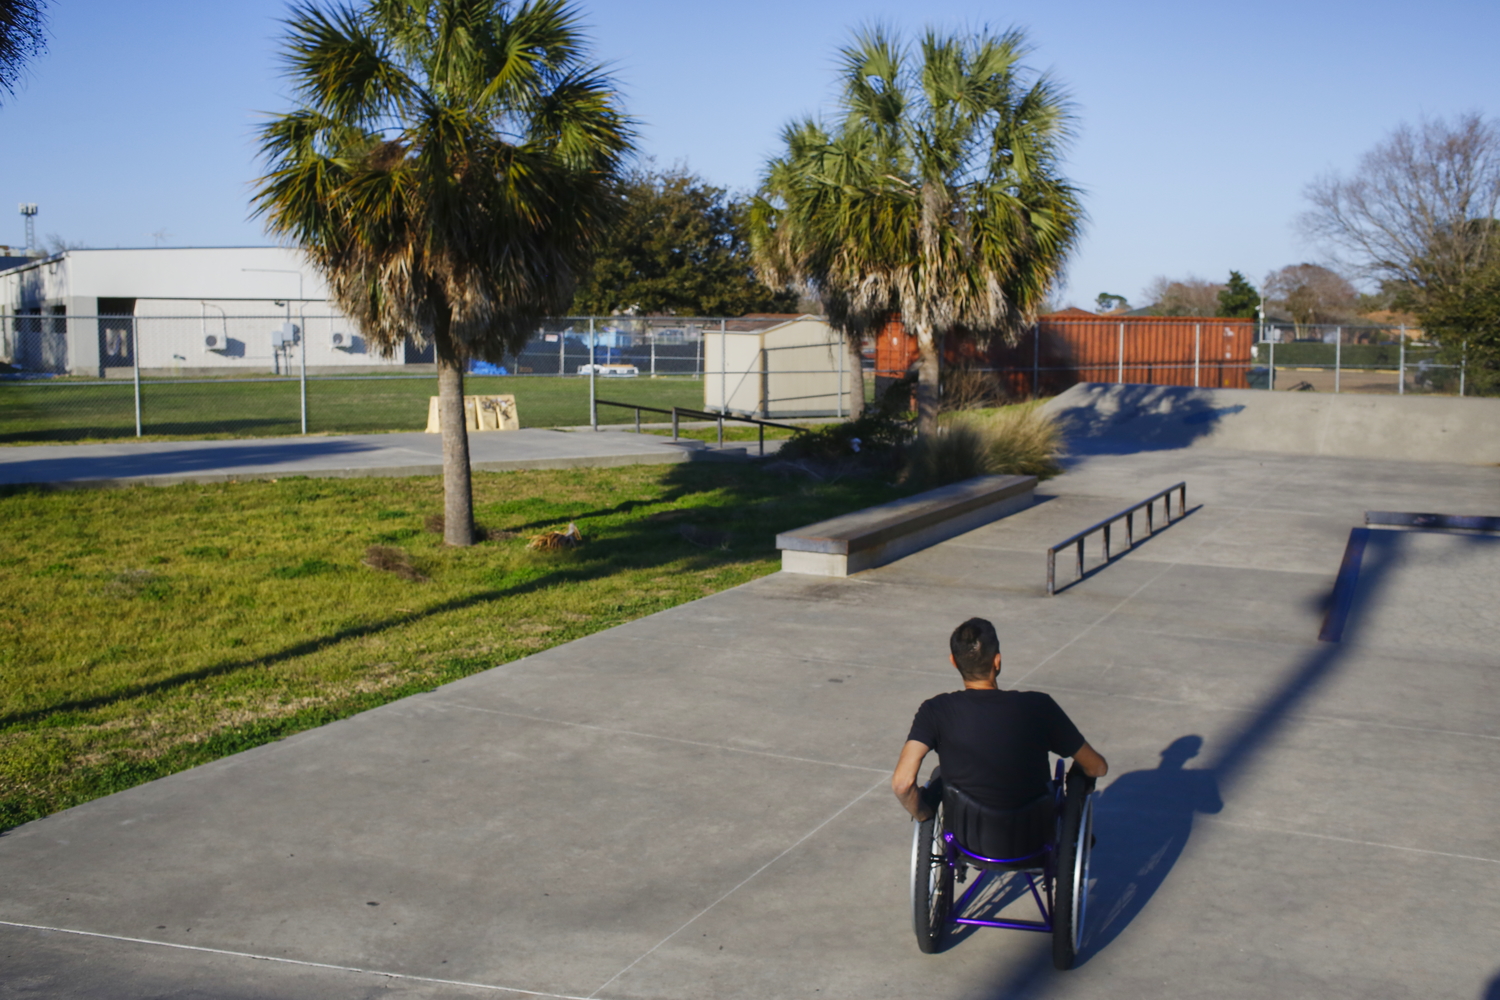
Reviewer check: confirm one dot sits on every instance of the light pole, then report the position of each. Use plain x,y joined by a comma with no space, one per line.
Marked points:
301,332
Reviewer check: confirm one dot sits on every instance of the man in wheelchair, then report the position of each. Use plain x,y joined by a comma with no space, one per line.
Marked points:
993,805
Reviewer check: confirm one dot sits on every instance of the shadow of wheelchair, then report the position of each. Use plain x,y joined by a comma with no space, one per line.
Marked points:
1143,821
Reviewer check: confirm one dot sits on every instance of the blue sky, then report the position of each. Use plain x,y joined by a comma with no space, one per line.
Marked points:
1200,124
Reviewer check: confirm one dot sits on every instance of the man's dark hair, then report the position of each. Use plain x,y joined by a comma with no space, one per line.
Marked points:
974,645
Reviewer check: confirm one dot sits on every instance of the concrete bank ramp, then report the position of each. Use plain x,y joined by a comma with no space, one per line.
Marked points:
1101,418
1425,594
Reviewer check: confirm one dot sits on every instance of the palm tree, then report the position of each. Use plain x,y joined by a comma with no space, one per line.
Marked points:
448,167
936,192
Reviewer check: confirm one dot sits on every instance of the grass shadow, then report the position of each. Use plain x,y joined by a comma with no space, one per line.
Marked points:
741,505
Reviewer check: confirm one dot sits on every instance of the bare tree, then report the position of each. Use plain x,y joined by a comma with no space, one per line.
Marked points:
1311,293
1188,297
1416,213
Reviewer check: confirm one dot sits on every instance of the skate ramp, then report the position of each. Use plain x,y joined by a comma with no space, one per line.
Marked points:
1101,418
1422,593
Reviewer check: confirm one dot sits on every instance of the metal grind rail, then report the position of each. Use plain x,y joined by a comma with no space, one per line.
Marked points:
1128,514
678,411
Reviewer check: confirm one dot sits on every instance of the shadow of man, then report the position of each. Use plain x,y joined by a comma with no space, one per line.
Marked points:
1143,821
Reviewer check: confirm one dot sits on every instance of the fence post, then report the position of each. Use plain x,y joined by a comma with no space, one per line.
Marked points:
1338,355
302,337
135,360
1271,365
652,335
562,352
843,346
593,370
1197,351
1463,368
1120,371
723,367
1036,360
1401,366
765,382
674,423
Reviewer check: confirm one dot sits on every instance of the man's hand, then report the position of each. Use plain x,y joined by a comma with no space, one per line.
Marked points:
904,781
1090,762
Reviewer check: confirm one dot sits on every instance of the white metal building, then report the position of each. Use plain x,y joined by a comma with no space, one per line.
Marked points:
778,366
209,310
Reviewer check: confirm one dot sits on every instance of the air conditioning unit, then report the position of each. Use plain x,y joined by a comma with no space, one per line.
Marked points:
215,342
342,341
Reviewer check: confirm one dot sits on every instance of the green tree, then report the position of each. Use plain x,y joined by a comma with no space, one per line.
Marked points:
1464,317
1238,299
681,248
1109,302
448,168
936,191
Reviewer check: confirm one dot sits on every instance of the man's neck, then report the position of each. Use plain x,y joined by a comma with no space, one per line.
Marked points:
988,685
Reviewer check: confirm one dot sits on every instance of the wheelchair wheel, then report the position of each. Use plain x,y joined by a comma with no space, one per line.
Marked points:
931,883
1075,844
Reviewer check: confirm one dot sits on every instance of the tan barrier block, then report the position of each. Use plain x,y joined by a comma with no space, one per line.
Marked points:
481,413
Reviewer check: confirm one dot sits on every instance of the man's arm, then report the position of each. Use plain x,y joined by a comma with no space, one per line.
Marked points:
904,781
1089,759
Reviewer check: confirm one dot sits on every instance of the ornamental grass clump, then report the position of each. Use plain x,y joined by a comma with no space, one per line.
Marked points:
1017,440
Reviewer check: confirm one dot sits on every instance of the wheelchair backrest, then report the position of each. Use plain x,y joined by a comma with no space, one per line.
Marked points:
1016,835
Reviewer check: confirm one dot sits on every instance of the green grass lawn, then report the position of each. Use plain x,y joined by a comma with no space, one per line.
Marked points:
56,410
149,630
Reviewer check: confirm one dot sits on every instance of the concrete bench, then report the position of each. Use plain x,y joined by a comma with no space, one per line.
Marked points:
878,535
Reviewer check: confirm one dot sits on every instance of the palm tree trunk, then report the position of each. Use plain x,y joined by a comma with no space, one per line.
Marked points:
856,383
458,489
929,370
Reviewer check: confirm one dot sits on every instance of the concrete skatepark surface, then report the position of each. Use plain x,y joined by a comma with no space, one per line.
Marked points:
164,463
696,804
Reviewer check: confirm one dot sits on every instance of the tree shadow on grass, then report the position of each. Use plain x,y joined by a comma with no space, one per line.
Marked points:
750,504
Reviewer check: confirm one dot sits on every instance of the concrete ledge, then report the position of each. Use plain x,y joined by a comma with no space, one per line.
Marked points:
878,535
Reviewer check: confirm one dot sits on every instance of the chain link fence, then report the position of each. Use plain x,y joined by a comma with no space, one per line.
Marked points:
1370,360
1062,351
75,378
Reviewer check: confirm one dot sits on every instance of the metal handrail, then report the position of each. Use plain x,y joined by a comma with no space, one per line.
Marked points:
1165,496
681,411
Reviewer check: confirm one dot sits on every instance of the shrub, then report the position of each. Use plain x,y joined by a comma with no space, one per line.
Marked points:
1018,440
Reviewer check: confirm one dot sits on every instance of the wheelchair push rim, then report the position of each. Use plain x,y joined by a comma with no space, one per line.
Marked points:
1075,848
931,882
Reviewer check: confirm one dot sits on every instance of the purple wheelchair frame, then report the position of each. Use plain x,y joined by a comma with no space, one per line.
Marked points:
1044,896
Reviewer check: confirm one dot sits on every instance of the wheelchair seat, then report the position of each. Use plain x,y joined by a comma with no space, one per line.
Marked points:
1003,839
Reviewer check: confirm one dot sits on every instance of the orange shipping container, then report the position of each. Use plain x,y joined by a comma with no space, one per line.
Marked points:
1067,348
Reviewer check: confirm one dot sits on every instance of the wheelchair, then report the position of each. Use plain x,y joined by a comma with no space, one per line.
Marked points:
1042,848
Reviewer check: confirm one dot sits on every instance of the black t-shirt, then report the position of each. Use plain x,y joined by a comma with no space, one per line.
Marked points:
994,744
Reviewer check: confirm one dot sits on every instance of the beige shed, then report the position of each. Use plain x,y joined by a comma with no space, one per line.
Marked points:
778,366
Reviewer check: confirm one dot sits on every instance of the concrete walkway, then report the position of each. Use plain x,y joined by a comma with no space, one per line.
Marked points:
696,804
163,463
